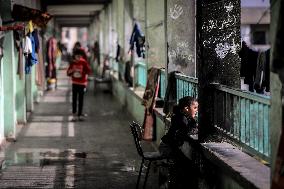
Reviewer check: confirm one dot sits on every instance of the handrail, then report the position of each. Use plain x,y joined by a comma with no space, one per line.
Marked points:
140,74
243,118
187,78
245,94
240,116
186,86
162,88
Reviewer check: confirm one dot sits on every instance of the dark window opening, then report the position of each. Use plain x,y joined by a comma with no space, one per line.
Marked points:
259,38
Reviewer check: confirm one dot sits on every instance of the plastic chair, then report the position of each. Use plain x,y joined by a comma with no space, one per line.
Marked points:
146,156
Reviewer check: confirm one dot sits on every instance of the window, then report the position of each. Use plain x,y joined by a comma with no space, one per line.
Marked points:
260,34
259,38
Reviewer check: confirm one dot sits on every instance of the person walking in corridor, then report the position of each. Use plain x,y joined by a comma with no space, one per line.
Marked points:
78,70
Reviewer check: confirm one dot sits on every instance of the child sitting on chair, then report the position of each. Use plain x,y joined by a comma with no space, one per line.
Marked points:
183,124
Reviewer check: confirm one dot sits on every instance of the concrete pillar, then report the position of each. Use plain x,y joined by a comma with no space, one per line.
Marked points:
29,92
1,102
155,29
120,23
34,85
121,36
276,81
218,39
101,33
128,26
20,95
9,87
181,36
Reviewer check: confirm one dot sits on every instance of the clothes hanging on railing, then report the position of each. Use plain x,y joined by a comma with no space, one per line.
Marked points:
149,99
248,65
40,80
262,75
97,52
152,86
137,39
18,41
118,55
51,57
30,51
171,93
255,69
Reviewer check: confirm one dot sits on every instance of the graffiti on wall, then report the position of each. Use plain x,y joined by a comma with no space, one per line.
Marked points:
181,53
176,11
221,32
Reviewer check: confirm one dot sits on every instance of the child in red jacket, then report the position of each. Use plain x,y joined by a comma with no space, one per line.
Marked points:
78,70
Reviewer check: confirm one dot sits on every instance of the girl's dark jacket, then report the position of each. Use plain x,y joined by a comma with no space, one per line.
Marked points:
181,127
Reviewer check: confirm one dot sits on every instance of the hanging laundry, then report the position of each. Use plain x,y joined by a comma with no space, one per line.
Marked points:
97,52
248,65
266,82
51,57
260,73
31,58
30,26
18,37
149,101
171,93
39,67
118,53
138,39
262,78
27,46
35,35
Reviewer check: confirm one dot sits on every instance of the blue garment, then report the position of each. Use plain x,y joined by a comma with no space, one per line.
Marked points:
137,38
31,58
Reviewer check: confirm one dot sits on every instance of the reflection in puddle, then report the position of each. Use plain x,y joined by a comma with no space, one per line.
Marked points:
120,166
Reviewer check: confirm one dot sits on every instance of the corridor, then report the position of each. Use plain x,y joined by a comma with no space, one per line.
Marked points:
51,151
204,78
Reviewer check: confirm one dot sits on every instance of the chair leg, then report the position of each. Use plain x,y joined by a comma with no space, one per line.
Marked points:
140,171
147,173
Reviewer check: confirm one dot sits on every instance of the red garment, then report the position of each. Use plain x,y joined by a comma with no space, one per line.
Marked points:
52,50
79,70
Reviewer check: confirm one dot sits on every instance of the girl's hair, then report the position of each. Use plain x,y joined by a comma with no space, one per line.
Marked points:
185,101
79,51
77,44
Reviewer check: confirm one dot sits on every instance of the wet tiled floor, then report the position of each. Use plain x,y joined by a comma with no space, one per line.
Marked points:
51,151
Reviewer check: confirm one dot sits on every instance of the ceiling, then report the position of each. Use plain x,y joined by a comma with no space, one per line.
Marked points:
74,13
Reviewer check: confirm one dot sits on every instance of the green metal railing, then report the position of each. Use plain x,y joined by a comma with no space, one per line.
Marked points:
162,89
140,74
186,86
244,118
